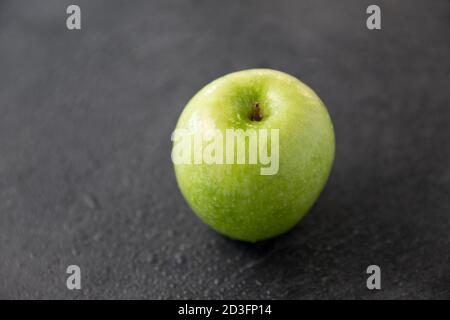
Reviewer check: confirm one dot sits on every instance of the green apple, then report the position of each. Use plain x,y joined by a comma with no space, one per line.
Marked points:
239,199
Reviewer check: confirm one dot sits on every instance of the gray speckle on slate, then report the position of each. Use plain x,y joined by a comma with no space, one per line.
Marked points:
85,171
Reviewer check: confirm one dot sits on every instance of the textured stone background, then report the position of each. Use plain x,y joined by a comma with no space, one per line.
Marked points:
85,171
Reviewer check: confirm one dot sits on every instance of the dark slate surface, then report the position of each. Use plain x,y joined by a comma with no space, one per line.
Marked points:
85,171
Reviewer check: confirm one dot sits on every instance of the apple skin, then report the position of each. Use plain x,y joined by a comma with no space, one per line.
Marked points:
235,199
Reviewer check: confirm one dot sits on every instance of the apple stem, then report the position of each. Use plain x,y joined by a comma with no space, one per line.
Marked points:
256,112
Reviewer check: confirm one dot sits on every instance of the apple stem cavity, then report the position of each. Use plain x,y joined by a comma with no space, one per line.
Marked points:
256,114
